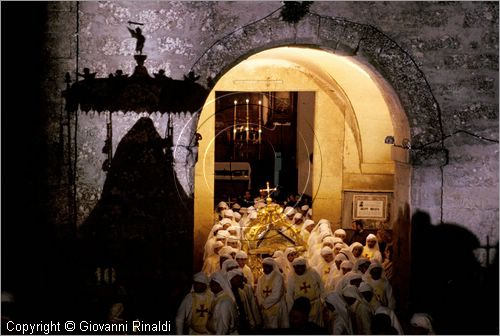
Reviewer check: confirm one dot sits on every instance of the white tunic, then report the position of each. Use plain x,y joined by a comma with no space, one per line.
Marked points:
362,317
211,265
224,317
310,286
271,299
192,315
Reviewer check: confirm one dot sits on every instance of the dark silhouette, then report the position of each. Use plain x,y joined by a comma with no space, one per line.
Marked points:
381,325
447,281
294,11
138,92
137,34
119,74
191,77
299,319
246,200
160,74
359,234
87,75
140,225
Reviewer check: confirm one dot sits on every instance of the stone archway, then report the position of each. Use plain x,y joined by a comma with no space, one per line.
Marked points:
370,47
338,36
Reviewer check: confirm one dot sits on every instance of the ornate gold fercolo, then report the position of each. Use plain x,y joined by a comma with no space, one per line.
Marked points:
268,233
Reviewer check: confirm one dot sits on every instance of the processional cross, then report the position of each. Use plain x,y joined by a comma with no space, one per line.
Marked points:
269,190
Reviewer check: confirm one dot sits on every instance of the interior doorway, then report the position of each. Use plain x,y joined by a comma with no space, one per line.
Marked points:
259,140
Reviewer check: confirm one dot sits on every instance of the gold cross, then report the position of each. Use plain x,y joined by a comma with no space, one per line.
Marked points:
269,190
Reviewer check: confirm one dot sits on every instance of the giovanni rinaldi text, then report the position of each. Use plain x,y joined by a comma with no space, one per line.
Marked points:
46,328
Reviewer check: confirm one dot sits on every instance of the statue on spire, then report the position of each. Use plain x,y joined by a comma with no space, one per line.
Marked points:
137,34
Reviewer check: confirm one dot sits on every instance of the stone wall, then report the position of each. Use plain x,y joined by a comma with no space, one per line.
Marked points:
451,49
61,53
440,57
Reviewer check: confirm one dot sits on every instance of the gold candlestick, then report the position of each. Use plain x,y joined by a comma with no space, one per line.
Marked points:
234,122
260,122
247,128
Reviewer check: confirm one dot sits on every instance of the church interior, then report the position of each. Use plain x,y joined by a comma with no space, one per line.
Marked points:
143,128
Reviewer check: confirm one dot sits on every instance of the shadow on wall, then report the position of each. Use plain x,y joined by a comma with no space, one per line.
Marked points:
140,227
447,280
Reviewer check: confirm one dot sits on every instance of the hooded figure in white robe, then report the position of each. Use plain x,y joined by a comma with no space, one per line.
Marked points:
242,259
335,269
339,319
244,216
289,212
322,230
249,286
226,250
192,315
249,318
366,292
219,211
251,218
229,214
321,226
371,250
325,265
280,259
309,214
394,319
423,322
224,317
349,279
305,231
228,265
361,311
305,281
347,252
382,289
314,252
330,241
211,240
234,242
220,236
298,220
234,231
270,295
237,218
212,262
356,250
290,255
340,233
336,282
361,266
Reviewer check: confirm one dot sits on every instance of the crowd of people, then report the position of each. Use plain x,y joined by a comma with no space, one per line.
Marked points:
338,285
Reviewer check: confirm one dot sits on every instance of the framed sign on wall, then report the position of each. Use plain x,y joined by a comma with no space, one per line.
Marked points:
373,207
369,207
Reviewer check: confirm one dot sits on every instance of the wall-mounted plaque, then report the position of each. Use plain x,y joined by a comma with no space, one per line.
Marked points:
369,206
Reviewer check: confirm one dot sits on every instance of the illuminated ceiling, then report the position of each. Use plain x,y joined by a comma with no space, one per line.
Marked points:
347,83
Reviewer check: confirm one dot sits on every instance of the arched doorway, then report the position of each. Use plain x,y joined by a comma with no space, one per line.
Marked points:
381,56
349,110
